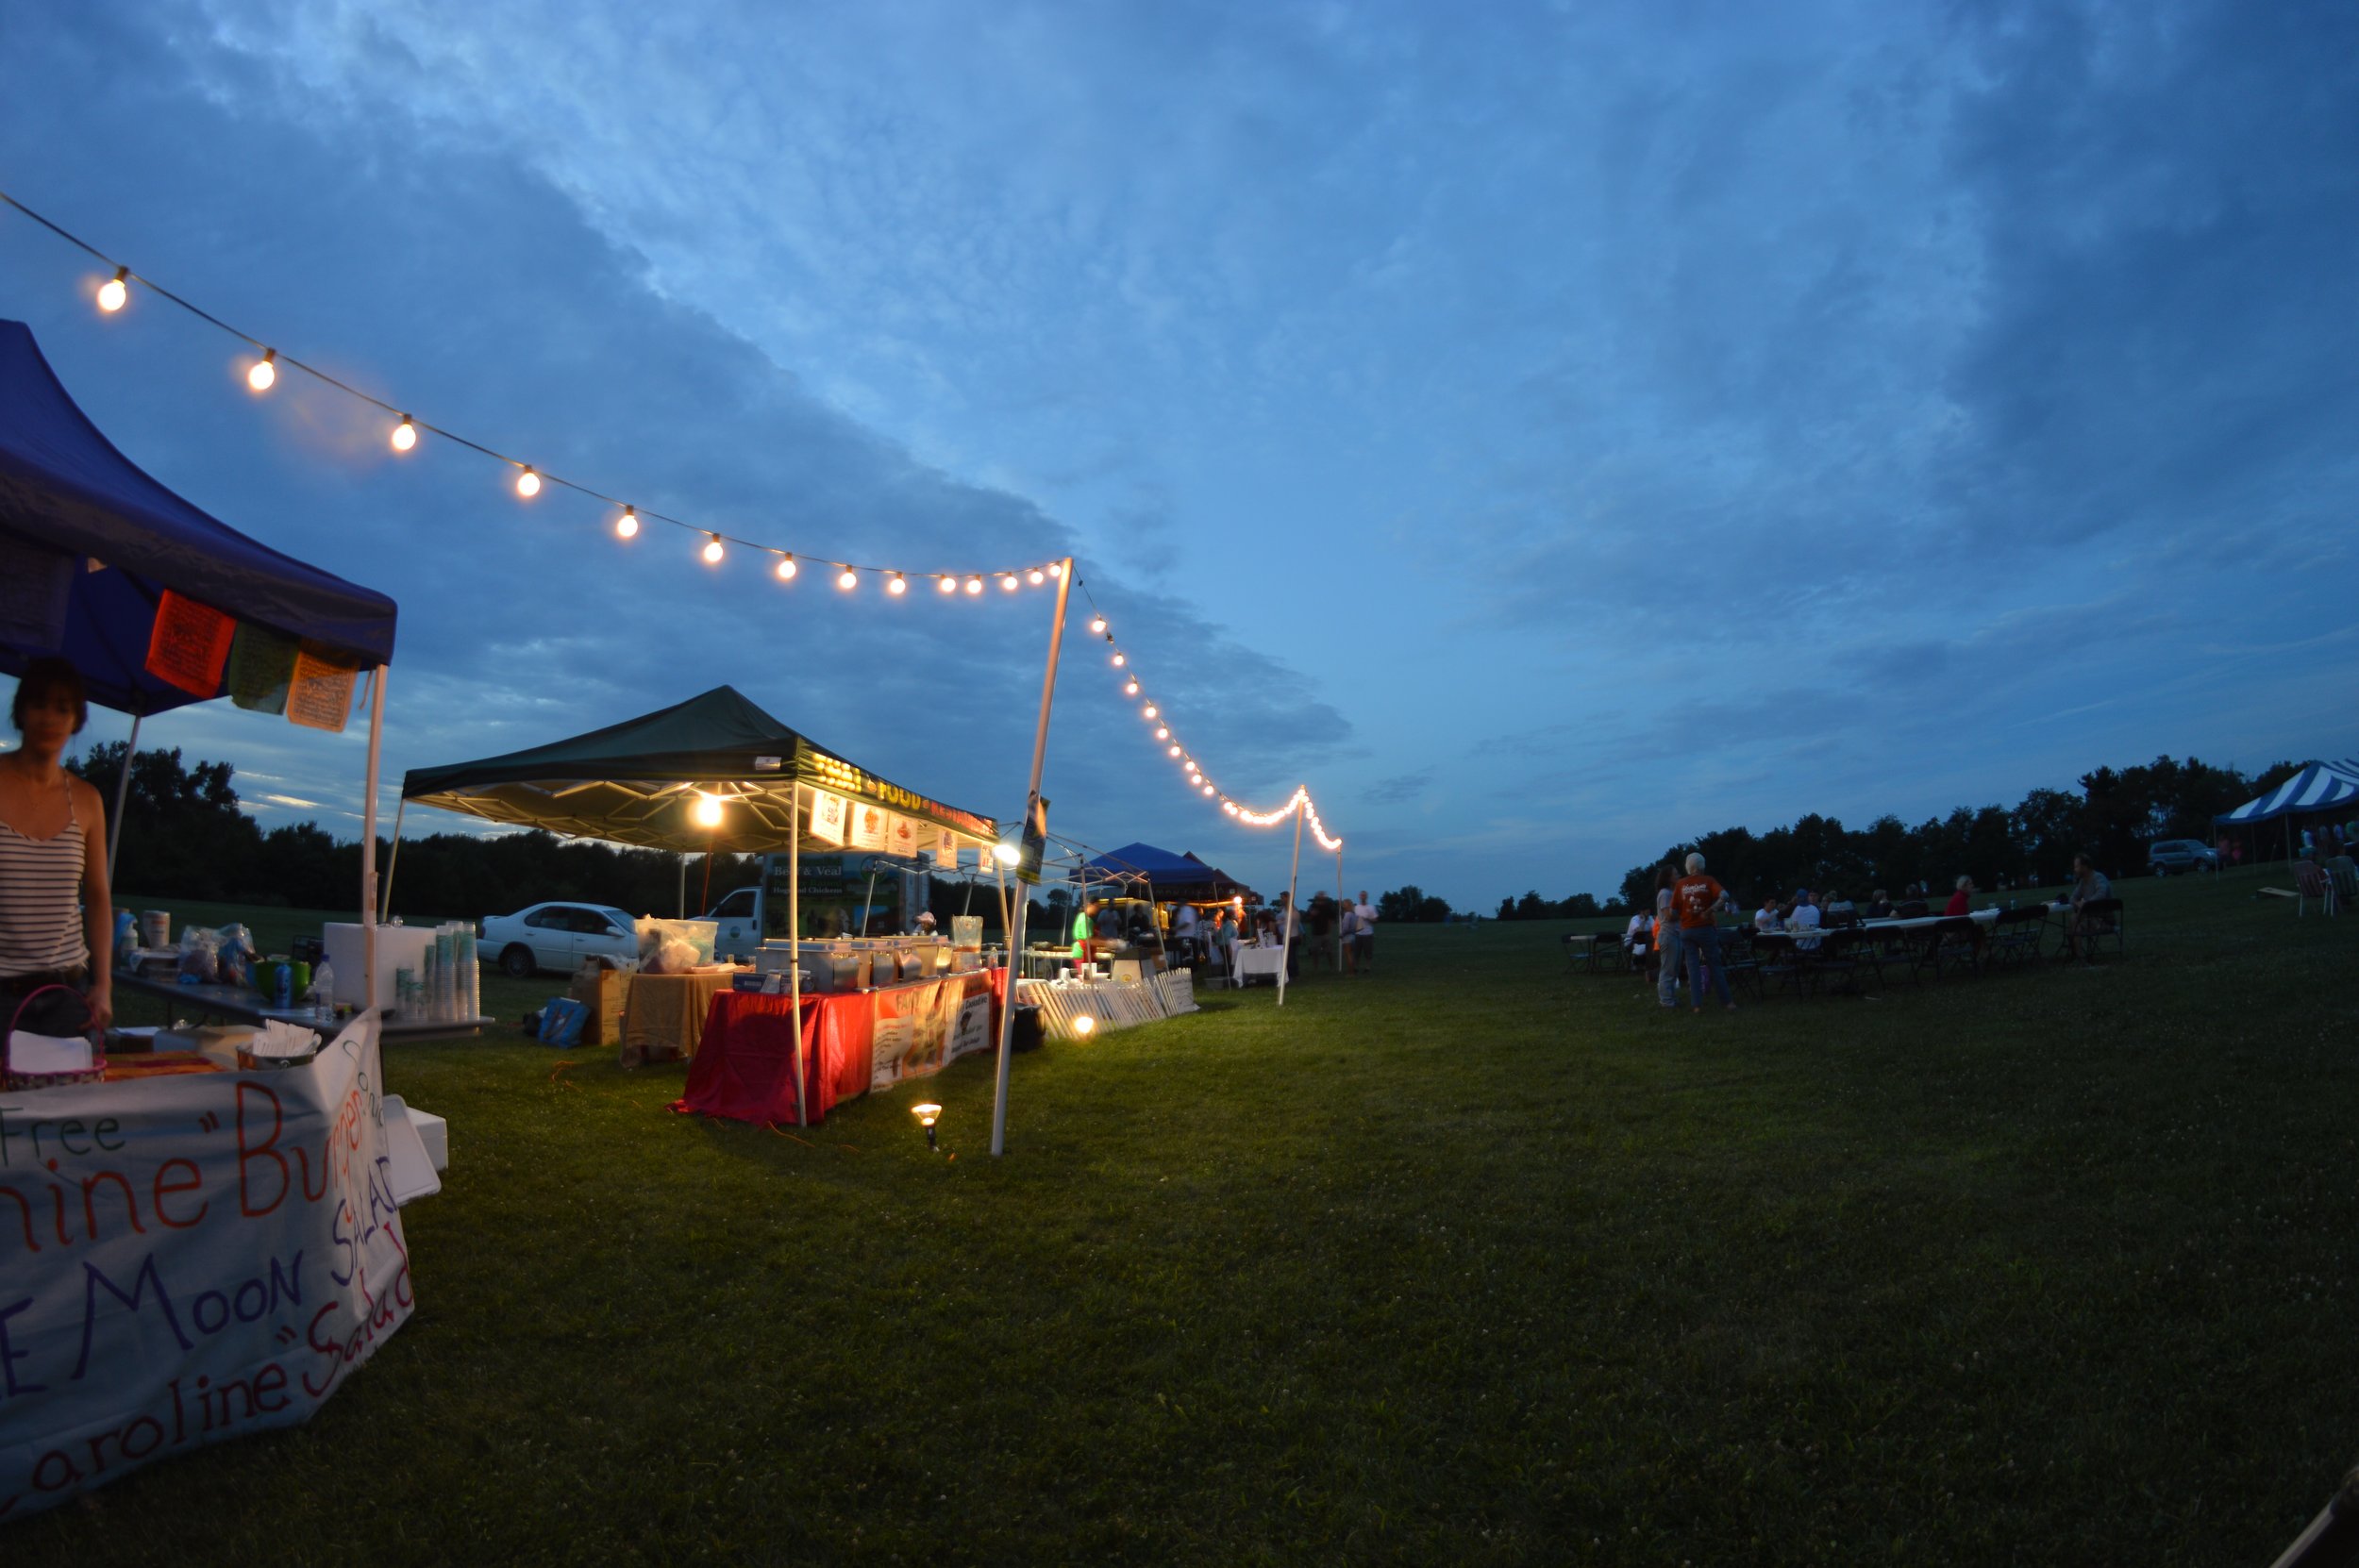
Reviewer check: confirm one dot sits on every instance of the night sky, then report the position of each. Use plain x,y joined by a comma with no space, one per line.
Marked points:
1548,431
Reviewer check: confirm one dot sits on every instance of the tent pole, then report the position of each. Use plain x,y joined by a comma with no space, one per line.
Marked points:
1006,916
368,840
122,788
794,943
393,859
1294,910
1032,821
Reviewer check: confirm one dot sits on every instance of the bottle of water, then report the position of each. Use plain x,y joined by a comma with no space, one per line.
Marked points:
323,993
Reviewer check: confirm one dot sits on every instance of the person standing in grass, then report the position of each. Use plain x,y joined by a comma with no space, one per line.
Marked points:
1698,897
1366,940
1666,939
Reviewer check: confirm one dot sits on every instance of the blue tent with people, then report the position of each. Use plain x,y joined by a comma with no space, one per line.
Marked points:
2320,789
1136,868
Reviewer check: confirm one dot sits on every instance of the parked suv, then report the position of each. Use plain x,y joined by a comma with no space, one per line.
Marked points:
2169,855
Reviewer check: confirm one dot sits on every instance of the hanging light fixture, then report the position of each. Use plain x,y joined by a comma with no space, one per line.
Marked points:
848,579
897,585
974,586
405,435
713,550
115,293
786,569
627,526
1098,626
263,373
948,584
1034,576
527,483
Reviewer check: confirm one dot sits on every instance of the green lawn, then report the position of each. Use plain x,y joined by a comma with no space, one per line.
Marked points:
1474,1261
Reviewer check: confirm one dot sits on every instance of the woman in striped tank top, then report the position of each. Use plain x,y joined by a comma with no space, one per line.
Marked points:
57,924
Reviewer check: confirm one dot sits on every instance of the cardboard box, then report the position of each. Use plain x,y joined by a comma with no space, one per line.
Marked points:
602,991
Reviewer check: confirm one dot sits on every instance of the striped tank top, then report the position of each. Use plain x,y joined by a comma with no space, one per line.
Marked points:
40,899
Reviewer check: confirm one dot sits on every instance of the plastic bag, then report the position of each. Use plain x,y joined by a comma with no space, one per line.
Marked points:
234,954
676,957
200,948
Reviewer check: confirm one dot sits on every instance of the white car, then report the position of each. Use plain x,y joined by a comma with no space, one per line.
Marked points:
558,937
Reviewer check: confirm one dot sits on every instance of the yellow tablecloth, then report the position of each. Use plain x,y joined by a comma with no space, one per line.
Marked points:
664,1016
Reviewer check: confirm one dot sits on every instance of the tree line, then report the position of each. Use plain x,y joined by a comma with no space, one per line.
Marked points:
2114,814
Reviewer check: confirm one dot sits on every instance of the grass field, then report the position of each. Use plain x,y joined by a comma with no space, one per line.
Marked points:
1474,1260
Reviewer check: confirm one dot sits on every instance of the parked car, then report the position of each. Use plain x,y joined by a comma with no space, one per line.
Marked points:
558,937
2169,855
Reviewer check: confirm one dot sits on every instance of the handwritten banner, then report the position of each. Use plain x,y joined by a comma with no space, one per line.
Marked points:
320,694
186,1259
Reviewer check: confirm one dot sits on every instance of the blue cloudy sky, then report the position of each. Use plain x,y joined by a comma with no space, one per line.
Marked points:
1547,431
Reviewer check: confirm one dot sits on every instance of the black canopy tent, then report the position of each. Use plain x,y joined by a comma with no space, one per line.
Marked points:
89,545
643,781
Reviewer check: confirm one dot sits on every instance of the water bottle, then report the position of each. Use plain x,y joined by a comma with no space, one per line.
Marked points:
283,979
323,991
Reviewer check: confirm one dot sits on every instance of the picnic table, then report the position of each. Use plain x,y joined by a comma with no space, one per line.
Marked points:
239,1004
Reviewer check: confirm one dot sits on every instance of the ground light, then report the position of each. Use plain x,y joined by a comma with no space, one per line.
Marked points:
927,1115
1085,1026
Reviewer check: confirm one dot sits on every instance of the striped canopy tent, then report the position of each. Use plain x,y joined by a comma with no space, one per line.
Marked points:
2320,789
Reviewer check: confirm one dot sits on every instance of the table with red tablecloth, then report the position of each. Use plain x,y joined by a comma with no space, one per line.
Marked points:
743,1069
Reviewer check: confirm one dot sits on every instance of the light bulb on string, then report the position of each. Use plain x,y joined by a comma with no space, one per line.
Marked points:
1098,626
1056,569
627,526
787,569
527,483
1131,689
949,585
708,813
1034,576
1009,583
1208,789
1151,711
1162,734
897,585
1120,661
713,550
115,294
848,579
405,434
1230,806
263,372
974,586
1175,751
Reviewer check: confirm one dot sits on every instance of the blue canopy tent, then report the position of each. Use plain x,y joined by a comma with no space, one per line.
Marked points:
2320,787
1175,879
89,543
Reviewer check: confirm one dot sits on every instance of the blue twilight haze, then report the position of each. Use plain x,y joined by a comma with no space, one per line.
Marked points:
1547,431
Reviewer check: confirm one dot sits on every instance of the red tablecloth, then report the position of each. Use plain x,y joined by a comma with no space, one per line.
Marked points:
742,1069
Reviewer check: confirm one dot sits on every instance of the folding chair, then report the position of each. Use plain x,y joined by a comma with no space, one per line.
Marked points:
2311,881
1951,944
2015,937
1740,961
2101,918
1837,958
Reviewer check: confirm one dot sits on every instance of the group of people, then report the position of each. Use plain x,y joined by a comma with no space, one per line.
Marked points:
1685,930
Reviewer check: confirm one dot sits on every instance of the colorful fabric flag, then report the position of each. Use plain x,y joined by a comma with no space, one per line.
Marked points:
320,694
261,667
190,645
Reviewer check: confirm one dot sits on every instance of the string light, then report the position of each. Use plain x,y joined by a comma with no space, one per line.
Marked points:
787,569
848,579
1120,661
263,375
1098,626
1162,734
707,811
897,584
714,551
1150,713
974,585
627,526
1175,751
1131,690
949,585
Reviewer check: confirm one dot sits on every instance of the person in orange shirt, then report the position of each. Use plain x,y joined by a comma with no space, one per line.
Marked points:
1697,898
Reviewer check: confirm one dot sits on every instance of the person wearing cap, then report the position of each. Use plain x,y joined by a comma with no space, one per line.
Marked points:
924,923
1804,921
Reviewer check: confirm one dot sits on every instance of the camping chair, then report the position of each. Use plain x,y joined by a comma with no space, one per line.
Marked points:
2311,881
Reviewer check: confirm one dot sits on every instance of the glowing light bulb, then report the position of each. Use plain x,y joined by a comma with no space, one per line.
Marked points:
265,370
949,585
1004,854
848,579
974,585
714,551
707,811
1162,734
527,483
1009,583
1034,576
1098,626
627,526
114,294
786,569
897,584
1208,789
1120,660
1175,751
1230,806
405,435
1131,689
1085,1026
